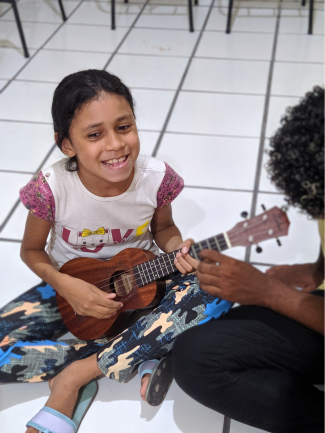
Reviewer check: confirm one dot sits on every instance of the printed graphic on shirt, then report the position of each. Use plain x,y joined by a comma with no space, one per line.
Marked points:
141,230
92,241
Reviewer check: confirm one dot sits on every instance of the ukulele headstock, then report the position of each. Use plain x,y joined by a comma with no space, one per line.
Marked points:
268,225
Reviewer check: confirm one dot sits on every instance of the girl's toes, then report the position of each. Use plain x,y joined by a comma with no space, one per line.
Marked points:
144,385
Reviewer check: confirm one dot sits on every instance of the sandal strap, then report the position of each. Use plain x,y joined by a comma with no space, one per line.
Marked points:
147,367
48,420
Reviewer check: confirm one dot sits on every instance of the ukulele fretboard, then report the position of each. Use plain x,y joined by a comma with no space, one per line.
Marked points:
153,270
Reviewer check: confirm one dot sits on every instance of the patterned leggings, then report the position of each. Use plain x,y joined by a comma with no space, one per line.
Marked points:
31,324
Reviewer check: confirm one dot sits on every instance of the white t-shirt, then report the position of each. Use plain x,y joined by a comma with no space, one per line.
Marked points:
86,225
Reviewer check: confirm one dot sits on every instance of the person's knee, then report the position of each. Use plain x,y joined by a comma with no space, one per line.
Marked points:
183,352
186,355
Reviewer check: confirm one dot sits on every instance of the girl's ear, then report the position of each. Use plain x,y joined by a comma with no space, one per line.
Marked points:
67,148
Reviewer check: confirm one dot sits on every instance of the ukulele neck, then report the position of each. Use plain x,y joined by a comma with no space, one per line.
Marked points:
153,270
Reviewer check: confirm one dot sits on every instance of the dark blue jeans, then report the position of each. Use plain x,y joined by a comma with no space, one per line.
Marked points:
257,367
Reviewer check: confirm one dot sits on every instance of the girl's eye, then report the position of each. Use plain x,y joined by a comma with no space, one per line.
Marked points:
124,127
94,135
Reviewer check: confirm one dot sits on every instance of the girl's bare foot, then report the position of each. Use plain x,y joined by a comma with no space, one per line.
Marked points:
144,385
65,386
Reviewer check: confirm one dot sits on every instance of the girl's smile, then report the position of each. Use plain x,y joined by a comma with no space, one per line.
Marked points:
116,163
104,138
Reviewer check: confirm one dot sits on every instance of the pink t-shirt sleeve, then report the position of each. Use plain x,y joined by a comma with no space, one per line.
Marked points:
171,186
37,197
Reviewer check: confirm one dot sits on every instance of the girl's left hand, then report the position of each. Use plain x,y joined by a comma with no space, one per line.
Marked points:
183,261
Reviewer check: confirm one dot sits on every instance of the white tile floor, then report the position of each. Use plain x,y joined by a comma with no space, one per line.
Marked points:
200,103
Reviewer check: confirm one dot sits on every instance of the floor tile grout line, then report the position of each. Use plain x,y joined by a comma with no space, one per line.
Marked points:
215,188
168,28
16,171
263,264
40,48
11,240
145,130
164,89
171,109
32,122
175,56
6,11
264,125
125,36
18,200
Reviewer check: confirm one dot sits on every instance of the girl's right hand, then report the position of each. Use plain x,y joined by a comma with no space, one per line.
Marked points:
87,300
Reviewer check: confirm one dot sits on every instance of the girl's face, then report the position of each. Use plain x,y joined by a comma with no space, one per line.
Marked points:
104,138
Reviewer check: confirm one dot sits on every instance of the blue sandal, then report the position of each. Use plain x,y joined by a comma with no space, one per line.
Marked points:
160,380
48,420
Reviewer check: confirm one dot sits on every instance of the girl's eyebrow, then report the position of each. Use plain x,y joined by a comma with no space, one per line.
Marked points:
127,116
95,125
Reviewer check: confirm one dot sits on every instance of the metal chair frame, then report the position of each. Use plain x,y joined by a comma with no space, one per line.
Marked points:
303,3
20,28
190,13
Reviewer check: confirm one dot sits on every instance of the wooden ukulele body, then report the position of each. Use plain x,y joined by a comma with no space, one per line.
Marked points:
106,275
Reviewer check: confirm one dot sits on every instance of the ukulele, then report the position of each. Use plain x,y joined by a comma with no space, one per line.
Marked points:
137,276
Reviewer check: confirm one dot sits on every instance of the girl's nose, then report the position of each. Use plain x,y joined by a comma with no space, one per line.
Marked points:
114,142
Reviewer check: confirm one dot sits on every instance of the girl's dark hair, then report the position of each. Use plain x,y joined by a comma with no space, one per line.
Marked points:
73,92
296,163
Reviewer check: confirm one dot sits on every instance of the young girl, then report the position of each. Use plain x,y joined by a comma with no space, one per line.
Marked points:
104,197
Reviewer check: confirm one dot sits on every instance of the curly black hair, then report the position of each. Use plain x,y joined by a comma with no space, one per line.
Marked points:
296,164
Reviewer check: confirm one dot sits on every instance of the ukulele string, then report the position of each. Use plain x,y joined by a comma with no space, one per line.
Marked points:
120,293
138,273
119,284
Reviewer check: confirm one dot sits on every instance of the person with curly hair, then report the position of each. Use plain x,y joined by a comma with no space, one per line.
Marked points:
259,363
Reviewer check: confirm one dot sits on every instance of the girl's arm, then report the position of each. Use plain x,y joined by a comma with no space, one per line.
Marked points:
85,298
168,238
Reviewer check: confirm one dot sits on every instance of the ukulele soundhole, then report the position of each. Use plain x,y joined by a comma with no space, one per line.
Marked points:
122,284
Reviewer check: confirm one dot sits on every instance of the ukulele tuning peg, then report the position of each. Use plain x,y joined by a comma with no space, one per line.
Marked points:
278,242
244,214
258,249
263,207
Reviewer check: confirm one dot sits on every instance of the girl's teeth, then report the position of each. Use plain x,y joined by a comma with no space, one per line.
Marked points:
115,161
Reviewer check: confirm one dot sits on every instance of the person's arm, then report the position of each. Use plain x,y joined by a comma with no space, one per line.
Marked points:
237,281
168,238
308,276
85,298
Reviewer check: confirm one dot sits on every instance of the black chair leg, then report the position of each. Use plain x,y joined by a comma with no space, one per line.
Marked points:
20,29
228,29
196,2
62,11
113,14
126,1
190,15
303,3
226,425
311,16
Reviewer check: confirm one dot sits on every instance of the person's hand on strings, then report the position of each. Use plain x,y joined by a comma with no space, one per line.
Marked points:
231,279
183,261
